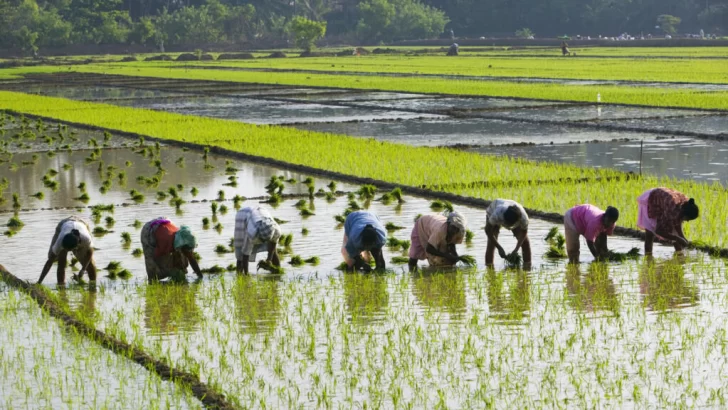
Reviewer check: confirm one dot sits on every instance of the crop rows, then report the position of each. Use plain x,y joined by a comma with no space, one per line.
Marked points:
392,163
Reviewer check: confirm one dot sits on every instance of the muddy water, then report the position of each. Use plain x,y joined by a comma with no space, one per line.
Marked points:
714,124
678,158
446,103
44,366
594,112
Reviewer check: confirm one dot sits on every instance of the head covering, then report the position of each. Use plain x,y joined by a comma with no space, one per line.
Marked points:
457,220
70,241
184,237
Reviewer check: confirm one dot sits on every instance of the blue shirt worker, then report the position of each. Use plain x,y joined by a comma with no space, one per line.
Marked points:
364,238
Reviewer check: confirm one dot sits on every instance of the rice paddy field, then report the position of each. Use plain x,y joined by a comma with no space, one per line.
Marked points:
121,144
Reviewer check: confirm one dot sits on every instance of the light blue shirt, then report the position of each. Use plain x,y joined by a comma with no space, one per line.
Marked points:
353,227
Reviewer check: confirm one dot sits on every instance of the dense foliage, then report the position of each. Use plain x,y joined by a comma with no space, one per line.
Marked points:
33,24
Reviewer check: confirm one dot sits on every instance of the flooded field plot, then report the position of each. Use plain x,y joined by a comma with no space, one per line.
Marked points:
44,367
677,158
709,125
600,112
475,131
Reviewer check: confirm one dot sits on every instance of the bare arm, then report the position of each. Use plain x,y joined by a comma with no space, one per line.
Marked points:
434,251
193,262
490,233
521,235
379,259
46,269
88,262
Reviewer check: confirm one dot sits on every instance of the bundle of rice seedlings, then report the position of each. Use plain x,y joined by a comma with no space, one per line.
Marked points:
215,269
400,260
286,240
390,227
613,256
222,249
280,221
438,205
469,235
266,265
296,260
314,260
467,260
332,186
367,191
514,259
137,252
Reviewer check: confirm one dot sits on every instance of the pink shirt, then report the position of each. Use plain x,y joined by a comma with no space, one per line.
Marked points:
587,220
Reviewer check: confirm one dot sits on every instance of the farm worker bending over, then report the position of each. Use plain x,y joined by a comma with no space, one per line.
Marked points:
168,249
594,224
364,237
661,212
434,238
255,231
504,213
72,235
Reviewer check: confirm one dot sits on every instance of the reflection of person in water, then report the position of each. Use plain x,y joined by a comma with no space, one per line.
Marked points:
509,298
441,292
663,284
171,307
257,302
593,292
80,301
366,297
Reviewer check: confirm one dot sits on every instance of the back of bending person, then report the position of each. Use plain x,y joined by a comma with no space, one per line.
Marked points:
72,235
661,212
364,238
434,238
504,213
255,231
592,223
168,249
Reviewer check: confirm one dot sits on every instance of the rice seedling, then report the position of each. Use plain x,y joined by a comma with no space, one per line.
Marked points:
556,242
137,252
237,199
223,209
395,243
218,227
84,197
296,260
232,181
214,270
214,207
161,195
332,186
205,223
391,227
265,265
16,201
280,221
514,259
438,206
14,223
467,260
274,200
367,192
304,231
221,249
469,236
194,191
400,260
613,256
286,240
305,212
221,195
314,260
109,222
38,195
136,196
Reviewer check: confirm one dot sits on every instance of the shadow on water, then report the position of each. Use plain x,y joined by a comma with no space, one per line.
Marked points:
257,302
664,285
171,308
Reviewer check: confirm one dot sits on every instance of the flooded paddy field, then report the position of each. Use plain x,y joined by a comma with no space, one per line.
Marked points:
682,158
644,333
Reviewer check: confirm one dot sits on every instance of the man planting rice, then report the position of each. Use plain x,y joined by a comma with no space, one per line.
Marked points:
72,235
168,250
661,212
255,231
592,223
434,238
504,213
364,238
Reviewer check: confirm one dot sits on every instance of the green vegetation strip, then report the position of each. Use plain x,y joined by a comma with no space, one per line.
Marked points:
375,162
210,398
646,96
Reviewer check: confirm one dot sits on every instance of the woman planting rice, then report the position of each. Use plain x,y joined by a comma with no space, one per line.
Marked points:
168,250
255,231
504,213
661,212
594,224
364,237
434,238
72,235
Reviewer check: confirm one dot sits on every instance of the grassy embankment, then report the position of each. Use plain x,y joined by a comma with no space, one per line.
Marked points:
395,163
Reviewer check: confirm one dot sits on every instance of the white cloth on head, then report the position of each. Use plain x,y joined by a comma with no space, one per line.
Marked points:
85,241
254,229
497,211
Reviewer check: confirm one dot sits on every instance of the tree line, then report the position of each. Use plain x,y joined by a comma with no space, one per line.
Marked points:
33,24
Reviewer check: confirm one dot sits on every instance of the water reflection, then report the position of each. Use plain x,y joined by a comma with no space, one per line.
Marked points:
592,292
442,292
80,301
509,298
257,302
171,308
366,297
664,285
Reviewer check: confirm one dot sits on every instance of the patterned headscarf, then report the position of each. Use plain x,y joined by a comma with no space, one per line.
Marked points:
184,237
